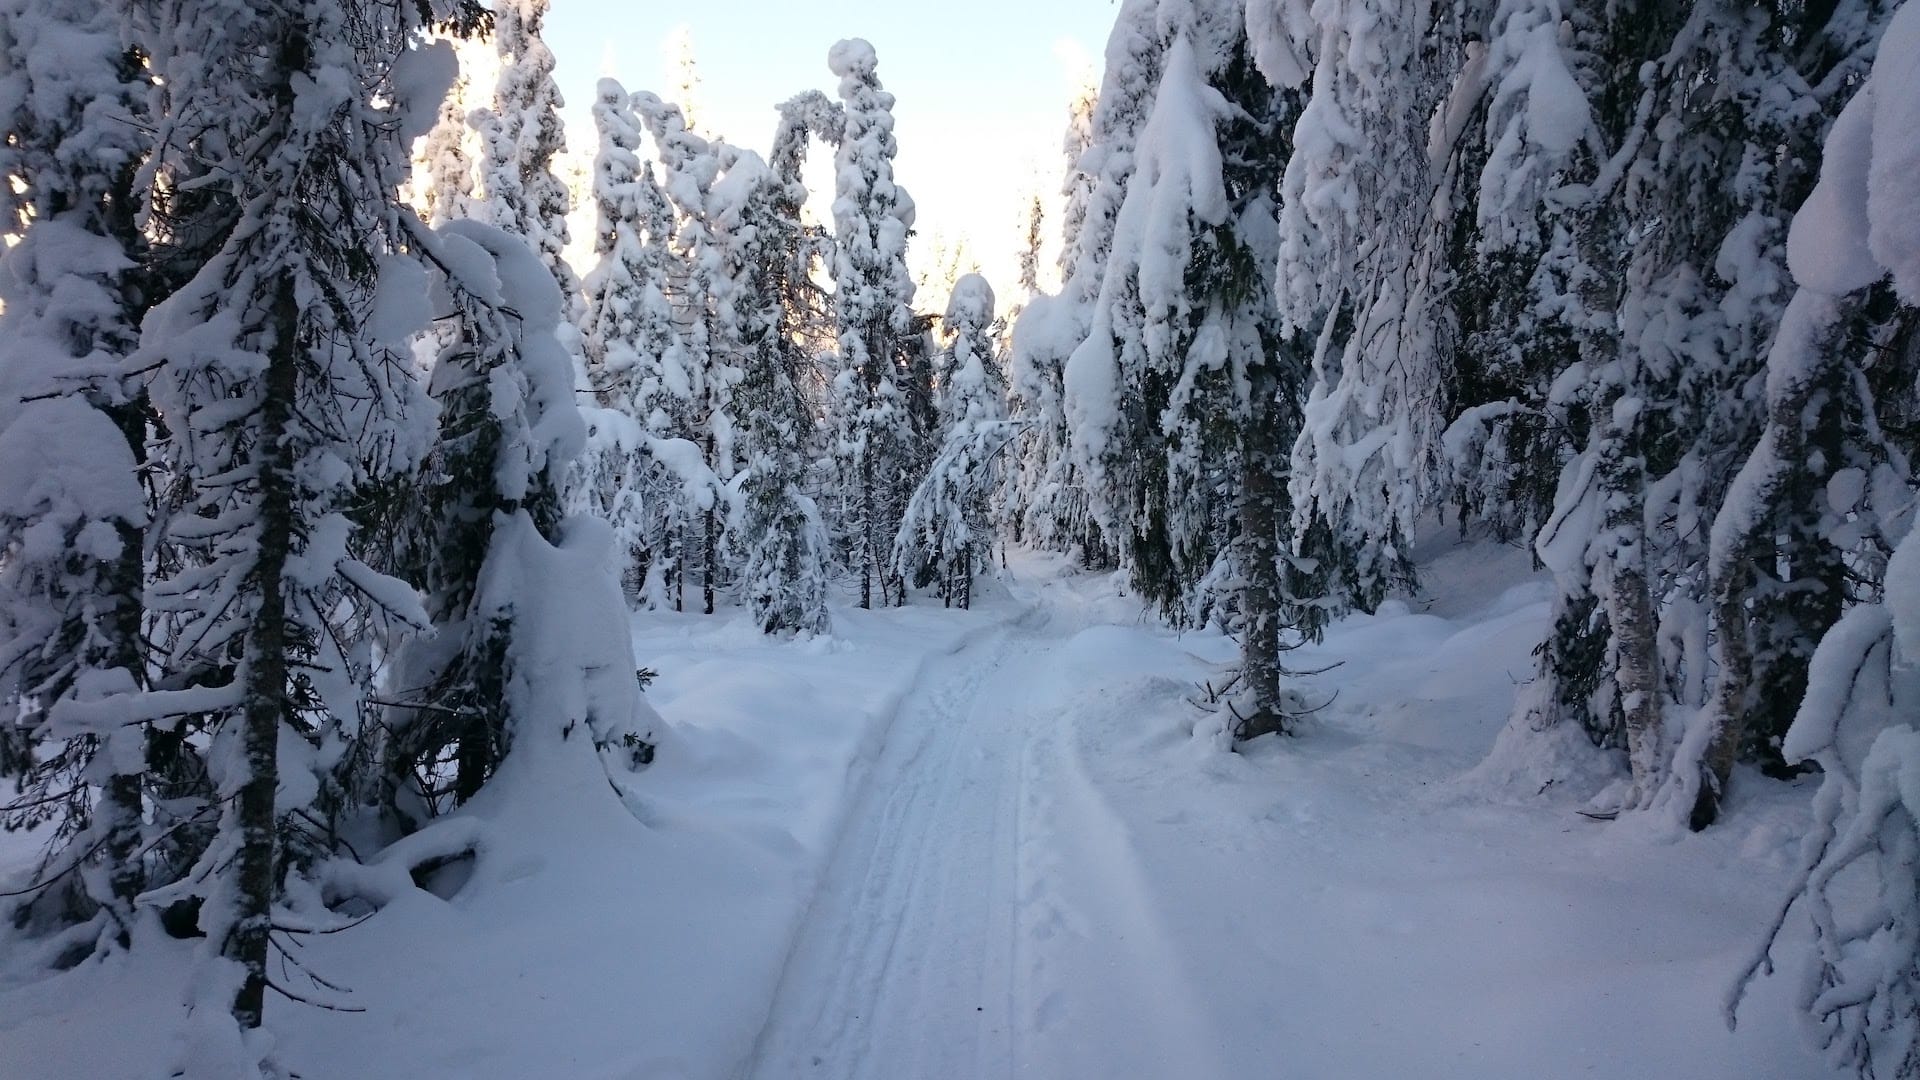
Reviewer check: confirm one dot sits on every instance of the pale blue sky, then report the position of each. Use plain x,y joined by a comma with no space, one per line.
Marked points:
983,85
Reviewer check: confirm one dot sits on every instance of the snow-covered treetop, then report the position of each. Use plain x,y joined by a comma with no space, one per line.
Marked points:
1212,27
872,214
619,134
852,58
691,161
808,113
971,303
1536,117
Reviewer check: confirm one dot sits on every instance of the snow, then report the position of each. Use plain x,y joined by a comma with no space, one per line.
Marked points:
956,844
401,305
1893,179
1827,244
421,79
852,58
1902,585
66,464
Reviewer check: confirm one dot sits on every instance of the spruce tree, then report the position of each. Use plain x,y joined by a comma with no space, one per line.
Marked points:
1361,274
1636,349
1050,507
1853,250
508,429
281,382
691,164
520,135
1778,550
780,542
873,429
73,428
637,364
946,531
1187,390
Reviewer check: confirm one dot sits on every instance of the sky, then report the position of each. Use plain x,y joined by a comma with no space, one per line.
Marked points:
982,89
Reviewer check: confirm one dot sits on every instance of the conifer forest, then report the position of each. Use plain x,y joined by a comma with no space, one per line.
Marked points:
1404,565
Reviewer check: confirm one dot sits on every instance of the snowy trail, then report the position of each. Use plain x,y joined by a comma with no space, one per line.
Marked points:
983,915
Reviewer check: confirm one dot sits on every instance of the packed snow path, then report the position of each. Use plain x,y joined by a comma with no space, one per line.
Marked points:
954,931
1045,874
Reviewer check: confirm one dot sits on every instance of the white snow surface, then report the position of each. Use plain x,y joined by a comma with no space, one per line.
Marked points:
945,844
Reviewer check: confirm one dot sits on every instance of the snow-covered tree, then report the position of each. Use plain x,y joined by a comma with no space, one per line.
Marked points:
948,521
72,432
1778,553
804,118
1033,237
521,134
779,540
1099,142
637,364
1187,390
691,165
1076,186
1861,985
872,215
1615,317
1049,503
508,429
1361,275
683,73
278,373
445,180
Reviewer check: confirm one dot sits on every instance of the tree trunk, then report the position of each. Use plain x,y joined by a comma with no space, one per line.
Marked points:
966,578
713,560
121,805
866,528
1729,700
1630,609
1263,595
265,703
679,563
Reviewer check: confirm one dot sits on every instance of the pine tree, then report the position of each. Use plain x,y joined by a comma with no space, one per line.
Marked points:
445,164
1777,566
508,428
1077,184
874,439
1523,309
1099,145
1636,347
1186,461
810,115
1361,273
685,69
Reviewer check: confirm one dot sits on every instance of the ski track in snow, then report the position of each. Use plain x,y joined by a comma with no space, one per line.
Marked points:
983,908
